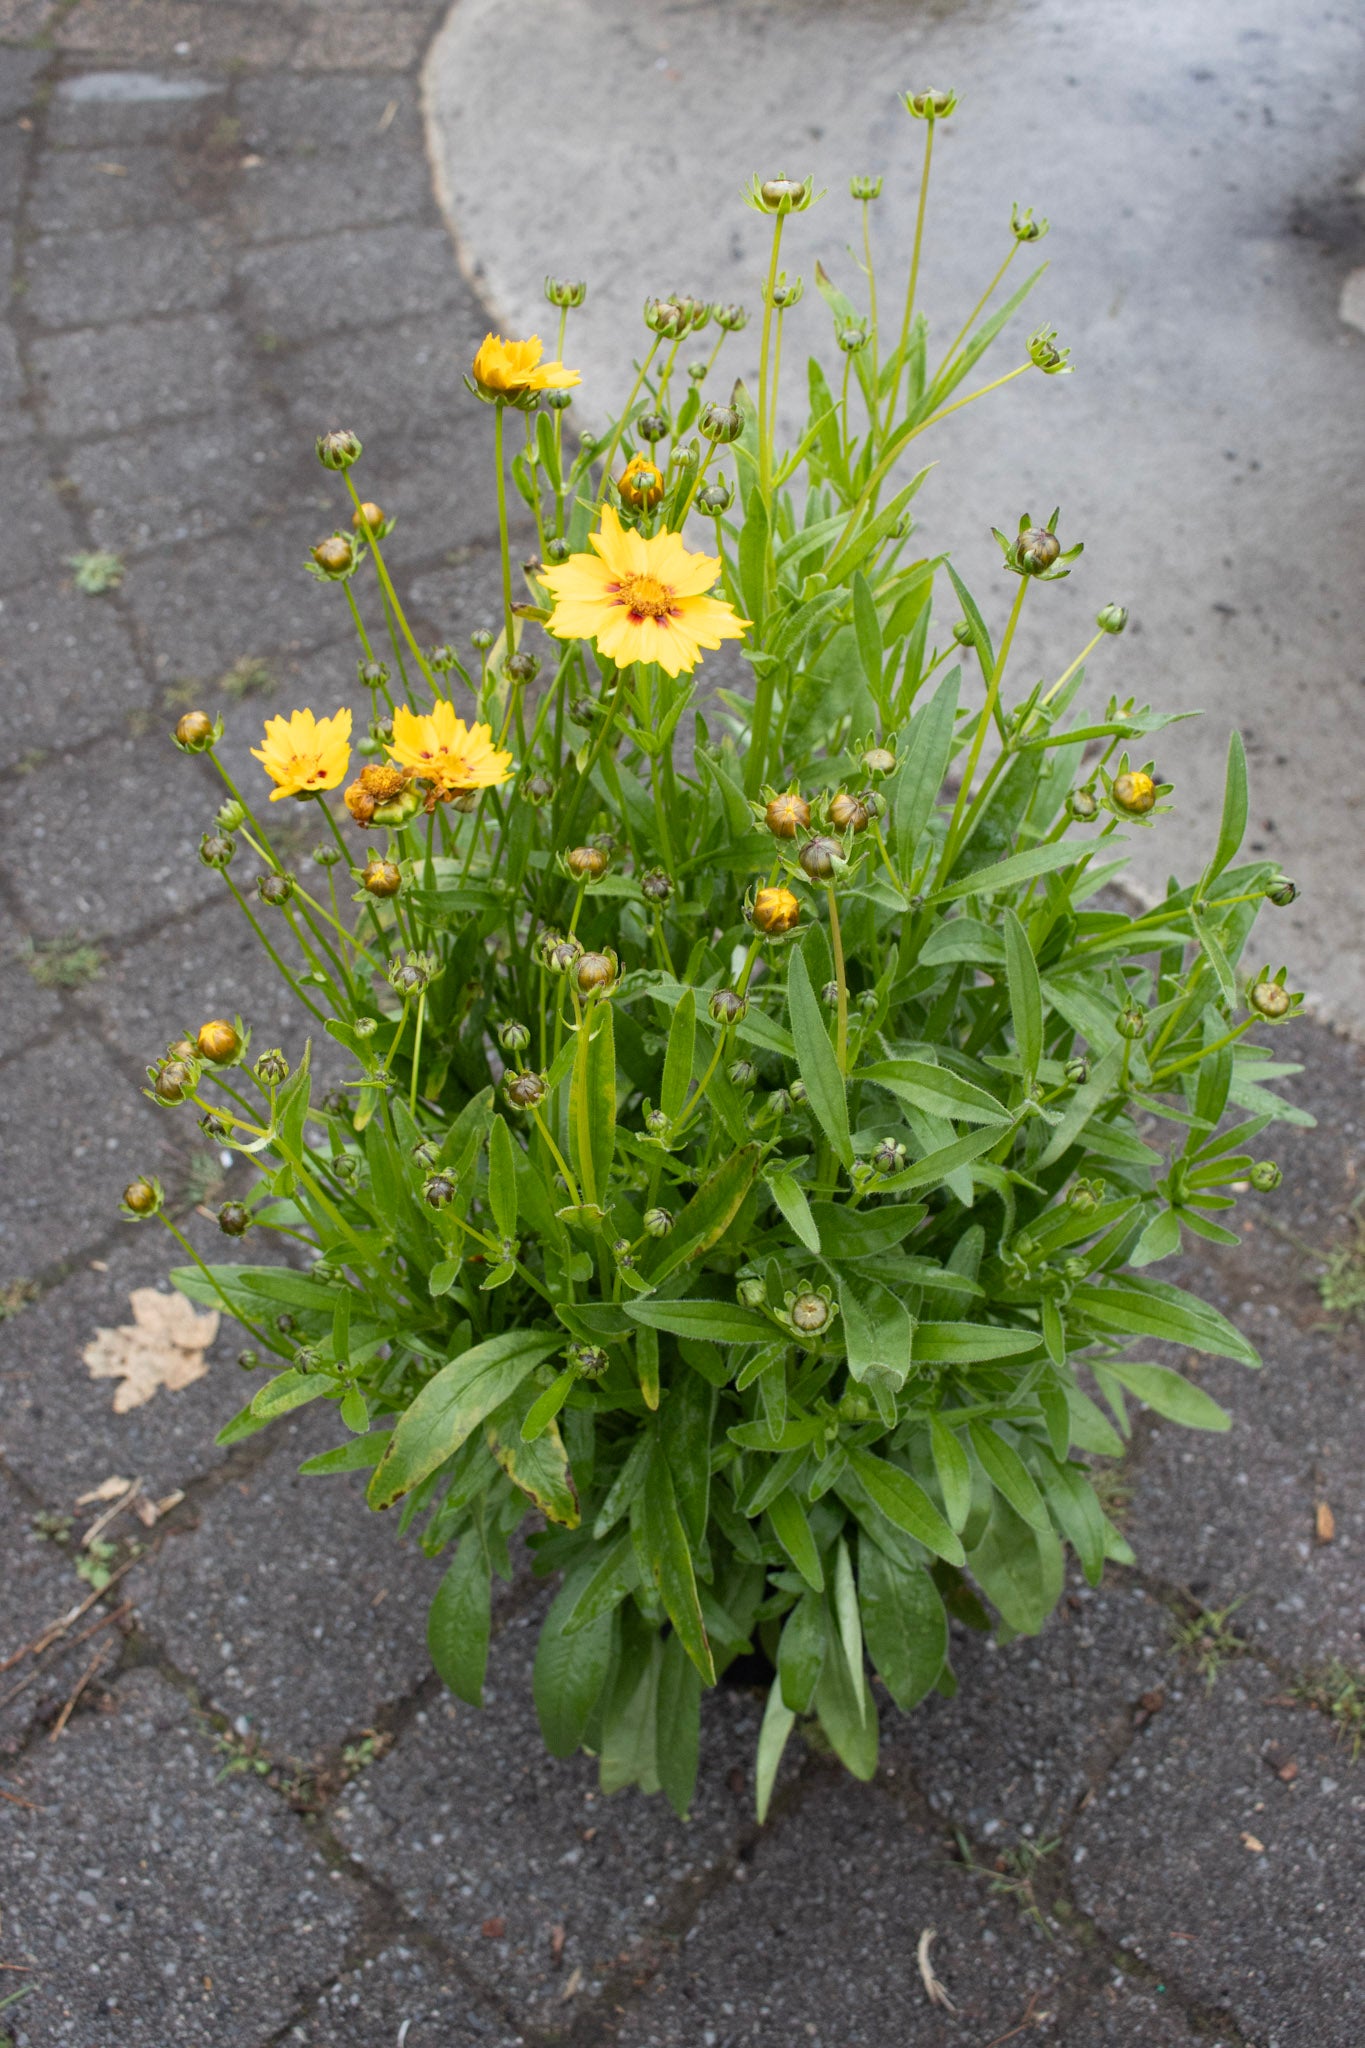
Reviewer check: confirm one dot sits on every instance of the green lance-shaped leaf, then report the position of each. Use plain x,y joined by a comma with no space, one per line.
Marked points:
1008,1473
1234,820
936,1090
460,1619
904,1624
922,770
570,1670
790,1197
670,1562
1170,1394
682,1038
715,1322
868,632
793,1532
905,1503
703,1220
1154,1308
954,1470
801,1652
679,1737
592,1126
540,1468
1026,994
825,1089
502,1178
452,1405
778,1722
1018,867
1018,1568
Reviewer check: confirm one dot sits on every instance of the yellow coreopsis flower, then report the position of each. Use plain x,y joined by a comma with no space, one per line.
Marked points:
641,598
304,755
440,749
510,369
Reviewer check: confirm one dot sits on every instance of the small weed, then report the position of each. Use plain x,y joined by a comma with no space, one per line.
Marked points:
242,1753
1014,1874
358,1756
53,1528
248,677
1341,1283
182,694
96,571
1338,1693
15,1296
1113,1490
62,963
268,342
1206,1636
31,761
96,1565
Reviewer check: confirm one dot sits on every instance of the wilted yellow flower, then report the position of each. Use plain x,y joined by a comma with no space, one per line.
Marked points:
641,598
304,755
509,369
442,750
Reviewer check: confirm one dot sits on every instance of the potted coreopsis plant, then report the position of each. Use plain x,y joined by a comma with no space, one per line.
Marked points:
755,1161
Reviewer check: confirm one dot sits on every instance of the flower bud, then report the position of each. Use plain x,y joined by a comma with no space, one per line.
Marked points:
521,668
864,188
743,1074
658,1222
1131,1023
513,1036
364,1027
1281,892
1112,619
565,292
750,1292
651,427
810,1313
879,760
722,423
852,336
408,977
1134,792
564,956
143,1197
727,1006
249,1360
307,1359
218,1041
1077,1071
786,294
821,858
931,105
272,1068
1037,549
380,877
234,1219
787,814
1271,999
537,789
1085,1196
1083,806
1265,1176
230,816
798,1093
781,195
779,1103
373,674
338,450
888,1155
442,658
731,318
848,813
368,518
439,1190
641,484
335,556
595,974
1045,355
587,863
524,1091
715,498
775,912
481,639
275,889
196,732
656,886
1024,227
285,1323
174,1081
963,633
657,1122
589,1361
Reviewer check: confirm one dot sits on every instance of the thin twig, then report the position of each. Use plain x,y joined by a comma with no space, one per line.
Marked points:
1027,2021
101,1522
15,1800
935,1990
115,1614
91,1668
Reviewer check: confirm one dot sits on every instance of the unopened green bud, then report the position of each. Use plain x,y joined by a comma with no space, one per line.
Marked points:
715,498
1077,1071
275,889
1131,1023
234,1219
1271,999
143,1197
524,1091
658,1222
1037,549
931,105
1265,1176
1281,892
731,318
721,423
231,816
1112,619
565,292
589,1361
963,633
865,188
513,1036
338,450
751,1293
197,733
481,639
727,1006
810,1313
743,1074
1024,227
439,1190
249,1360
1083,805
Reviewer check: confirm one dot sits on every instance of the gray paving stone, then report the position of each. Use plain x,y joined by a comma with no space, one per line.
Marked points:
41,1588
22,18
354,278
403,1988
14,149
72,1132
300,195
285,115
1166,1859
213,602
87,280
1035,1723
28,1011
13,384
109,865
817,1942
40,533
156,1900
79,191
183,482
293,1605
18,71
372,39
397,385
471,1822
68,671
200,33
58,1431
95,109
114,379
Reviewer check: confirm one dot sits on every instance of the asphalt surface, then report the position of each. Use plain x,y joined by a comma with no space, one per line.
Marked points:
236,1804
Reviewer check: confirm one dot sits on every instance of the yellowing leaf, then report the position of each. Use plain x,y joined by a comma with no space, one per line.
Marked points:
163,1346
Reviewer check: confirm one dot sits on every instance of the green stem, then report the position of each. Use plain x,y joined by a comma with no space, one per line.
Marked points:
508,623
570,1183
912,286
1192,1059
279,964
765,453
620,426
236,1313
872,310
836,938
417,1052
392,595
986,296
953,842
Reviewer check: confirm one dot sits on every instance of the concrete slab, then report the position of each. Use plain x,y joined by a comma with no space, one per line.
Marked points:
68,669
407,1992
1208,450
41,1589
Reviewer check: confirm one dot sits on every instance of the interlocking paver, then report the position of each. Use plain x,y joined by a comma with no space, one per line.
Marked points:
68,670
188,32
217,471
115,379
41,1589
29,1011
375,39
296,290
405,1993
94,109
157,1900
41,533
1242,1887
330,114
87,280
219,599
473,1824
294,1606
364,187
79,190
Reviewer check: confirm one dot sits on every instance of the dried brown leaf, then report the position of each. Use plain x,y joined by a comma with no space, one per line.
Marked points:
163,1346
1324,1523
